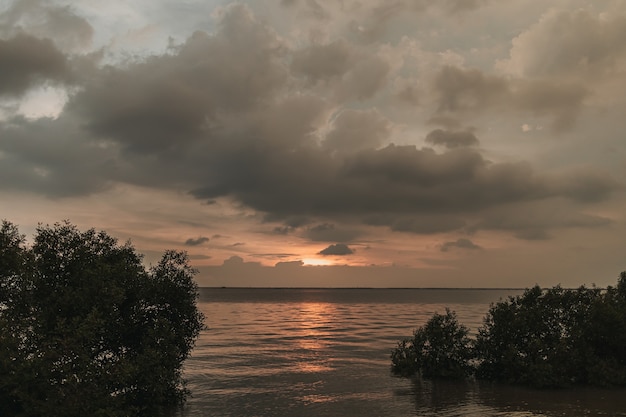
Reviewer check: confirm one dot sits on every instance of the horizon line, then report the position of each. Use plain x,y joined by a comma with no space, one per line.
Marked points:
362,288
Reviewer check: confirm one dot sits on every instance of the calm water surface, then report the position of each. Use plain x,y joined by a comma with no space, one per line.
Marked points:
325,352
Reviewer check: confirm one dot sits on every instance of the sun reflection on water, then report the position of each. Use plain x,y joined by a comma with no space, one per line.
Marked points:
314,323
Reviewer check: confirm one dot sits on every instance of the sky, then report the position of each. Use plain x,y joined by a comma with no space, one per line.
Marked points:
325,143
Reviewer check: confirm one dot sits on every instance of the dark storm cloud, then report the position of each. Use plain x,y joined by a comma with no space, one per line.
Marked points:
165,101
561,100
50,157
425,224
408,94
350,72
355,130
289,223
281,230
534,220
327,232
461,243
588,186
196,241
368,76
532,234
337,249
230,115
394,179
323,62
467,89
26,61
452,139
459,90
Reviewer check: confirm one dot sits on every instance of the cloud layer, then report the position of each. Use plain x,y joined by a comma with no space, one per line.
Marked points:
350,122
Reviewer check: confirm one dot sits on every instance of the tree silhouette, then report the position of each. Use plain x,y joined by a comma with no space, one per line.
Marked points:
85,329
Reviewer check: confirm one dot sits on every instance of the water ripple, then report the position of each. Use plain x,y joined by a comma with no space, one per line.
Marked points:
326,353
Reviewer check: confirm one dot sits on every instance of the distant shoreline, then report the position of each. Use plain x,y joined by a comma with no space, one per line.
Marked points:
374,288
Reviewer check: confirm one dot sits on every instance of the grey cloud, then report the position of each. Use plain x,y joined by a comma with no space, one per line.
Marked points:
45,20
379,16
290,122
51,157
393,182
337,249
588,186
164,101
222,116
461,243
425,224
561,100
323,62
367,77
470,89
196,241
450,6
408,94
202,257
534,220
452,139
570,42
312,8
297,221
281,230
375,23
355,130
327,232
26,61
235,260
394,179
457,6
460,90
290,222
289,264
350,72
447,122
532,234
141,111
275,255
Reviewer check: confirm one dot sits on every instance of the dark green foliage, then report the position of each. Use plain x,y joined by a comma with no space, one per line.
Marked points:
86,330
441,348
535,339
555,338
542,338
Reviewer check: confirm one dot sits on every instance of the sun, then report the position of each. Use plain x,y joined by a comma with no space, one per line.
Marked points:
316,262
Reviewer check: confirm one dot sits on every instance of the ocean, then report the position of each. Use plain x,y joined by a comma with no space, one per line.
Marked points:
326,352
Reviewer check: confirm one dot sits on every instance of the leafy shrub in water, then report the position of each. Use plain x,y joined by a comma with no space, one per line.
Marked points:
441,348
85,329
555,338
542,338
